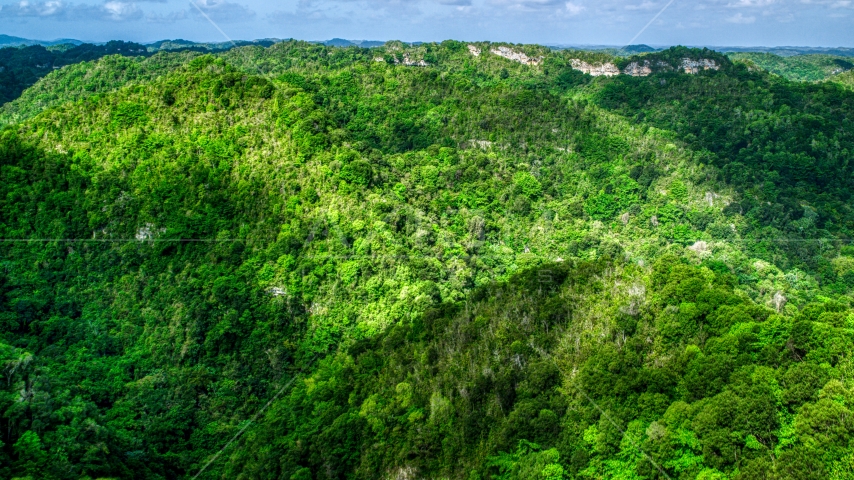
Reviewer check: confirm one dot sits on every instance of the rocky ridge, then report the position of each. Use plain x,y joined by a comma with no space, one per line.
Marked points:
509,54
409,62
606,69
406,61
644,68
694,66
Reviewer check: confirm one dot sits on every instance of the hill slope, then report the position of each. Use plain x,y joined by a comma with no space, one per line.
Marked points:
846,79
21,67
477,267
809,68
593,370
82,80
8,40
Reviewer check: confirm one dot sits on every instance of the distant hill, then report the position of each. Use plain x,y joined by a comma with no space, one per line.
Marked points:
340,42
181,44
166,44
790,51
10,41
639,49
22,65
804,68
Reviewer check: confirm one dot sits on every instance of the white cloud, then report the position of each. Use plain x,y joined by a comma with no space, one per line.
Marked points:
170,17
645,6
573,8
222,10
119,11
751,3
26,8
741,19
529,5
112,10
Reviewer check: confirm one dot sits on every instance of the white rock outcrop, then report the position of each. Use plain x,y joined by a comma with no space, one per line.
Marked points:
643,68
277,291
484,144
711,197
694,66
638,69
516,56
701,248
625,218
409,62
148,232
414,63
779,301
607,69
474,50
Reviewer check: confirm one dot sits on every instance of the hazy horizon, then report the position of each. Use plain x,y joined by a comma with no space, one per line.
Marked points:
363,40
725,23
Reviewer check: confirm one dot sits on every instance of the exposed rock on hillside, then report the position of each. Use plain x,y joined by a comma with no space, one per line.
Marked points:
608,69
406,61
148,232
474,50
637,69
515,56
644,68
694,66
484,144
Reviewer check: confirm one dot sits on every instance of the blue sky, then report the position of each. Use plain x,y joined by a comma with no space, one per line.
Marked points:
610,22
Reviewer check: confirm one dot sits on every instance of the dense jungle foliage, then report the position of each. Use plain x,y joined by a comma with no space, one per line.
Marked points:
21,67
807,68
476,269
845,79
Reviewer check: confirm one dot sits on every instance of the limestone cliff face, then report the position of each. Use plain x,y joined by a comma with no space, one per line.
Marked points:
474,50
407,61
515,56
694,66
607,69
638,69
644,68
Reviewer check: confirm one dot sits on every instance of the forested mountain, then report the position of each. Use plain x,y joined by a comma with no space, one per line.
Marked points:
82,80
11,41
21,67
846,78
810,67
438,261
178,44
